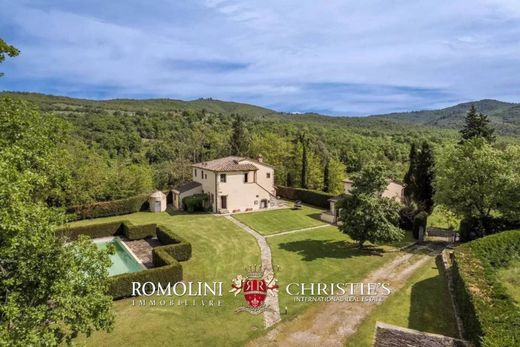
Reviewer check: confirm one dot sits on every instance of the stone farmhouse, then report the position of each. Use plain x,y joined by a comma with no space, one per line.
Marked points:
233,184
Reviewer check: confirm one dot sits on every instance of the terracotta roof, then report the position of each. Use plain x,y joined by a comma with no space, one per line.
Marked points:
187,186
226,164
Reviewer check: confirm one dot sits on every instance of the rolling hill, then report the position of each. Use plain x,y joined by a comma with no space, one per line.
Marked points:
504,116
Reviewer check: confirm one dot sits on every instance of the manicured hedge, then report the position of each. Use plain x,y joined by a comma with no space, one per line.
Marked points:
474,228
131,231
171,272
94,231
166,258
311,197
489,314
111,208
136,232
176,246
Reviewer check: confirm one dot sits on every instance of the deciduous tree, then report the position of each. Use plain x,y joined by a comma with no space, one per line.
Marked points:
366,215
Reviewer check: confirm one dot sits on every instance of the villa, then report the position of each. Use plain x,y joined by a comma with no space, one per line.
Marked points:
393,190
233,184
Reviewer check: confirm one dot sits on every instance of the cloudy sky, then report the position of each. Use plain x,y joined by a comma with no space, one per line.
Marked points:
335,57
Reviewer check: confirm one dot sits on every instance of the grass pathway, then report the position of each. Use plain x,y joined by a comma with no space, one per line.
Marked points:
272,313
331,323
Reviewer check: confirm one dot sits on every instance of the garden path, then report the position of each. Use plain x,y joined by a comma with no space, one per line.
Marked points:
272,313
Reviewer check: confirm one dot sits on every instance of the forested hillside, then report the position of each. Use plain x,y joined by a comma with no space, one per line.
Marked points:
118,148
504,117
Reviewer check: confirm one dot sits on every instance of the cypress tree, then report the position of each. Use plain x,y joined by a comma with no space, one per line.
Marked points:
326,178
424,176
305,164
240,137
409,178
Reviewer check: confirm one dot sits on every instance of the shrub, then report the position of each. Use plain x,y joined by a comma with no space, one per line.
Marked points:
420,220
311,197
174,245
94,231
110,208
171,272
474,228
489,314
136,232
195,202
131,231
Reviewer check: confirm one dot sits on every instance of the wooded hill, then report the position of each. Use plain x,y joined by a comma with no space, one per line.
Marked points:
119,148
504,116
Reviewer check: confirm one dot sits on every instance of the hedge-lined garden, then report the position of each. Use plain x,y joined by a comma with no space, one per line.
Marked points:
311,197
489,314
166,258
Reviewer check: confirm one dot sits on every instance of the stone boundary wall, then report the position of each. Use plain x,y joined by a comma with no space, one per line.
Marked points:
387,335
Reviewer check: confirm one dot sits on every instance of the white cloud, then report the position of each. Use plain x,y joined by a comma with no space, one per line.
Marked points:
276,53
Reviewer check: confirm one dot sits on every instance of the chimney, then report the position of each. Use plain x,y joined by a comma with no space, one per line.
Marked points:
260,159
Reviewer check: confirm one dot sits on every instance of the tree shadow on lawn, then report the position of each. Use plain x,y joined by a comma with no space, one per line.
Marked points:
318,249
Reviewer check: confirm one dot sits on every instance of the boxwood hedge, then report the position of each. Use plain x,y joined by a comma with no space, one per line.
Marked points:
125,228
311,197
489,314
110,208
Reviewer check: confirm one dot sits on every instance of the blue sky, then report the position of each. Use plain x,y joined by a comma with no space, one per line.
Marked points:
335,57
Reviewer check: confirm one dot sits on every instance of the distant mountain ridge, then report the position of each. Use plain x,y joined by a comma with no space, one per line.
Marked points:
504,116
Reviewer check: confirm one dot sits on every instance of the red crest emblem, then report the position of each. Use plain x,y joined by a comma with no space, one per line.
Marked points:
256,287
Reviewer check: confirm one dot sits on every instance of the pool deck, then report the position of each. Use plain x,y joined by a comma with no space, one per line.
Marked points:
143,249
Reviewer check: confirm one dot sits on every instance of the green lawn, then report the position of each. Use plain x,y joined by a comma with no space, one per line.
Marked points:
443,219
321,255
423,304
510,277
287,219
220,251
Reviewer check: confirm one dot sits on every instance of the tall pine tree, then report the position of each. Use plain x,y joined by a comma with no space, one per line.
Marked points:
476,125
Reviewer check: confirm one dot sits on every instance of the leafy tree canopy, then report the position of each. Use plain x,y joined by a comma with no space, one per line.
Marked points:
365,214
50,291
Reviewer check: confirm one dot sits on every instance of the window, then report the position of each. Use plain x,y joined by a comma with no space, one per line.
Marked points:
223,178
245,177
195,172
205,176
201,174
268,175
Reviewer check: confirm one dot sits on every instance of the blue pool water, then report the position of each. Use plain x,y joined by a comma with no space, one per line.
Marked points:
122,260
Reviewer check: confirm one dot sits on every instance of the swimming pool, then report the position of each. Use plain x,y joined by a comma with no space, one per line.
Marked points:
123,260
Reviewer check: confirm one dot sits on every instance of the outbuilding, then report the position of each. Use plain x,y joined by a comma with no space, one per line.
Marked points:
157,202
183,191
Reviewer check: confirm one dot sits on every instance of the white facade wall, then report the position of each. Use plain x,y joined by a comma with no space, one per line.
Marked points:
254,194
